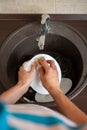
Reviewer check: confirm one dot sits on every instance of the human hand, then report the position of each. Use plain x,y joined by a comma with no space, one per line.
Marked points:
49,75
13,94
24,77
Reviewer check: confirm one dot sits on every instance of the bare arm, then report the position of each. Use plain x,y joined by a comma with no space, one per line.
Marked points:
49,78
13,94
68,108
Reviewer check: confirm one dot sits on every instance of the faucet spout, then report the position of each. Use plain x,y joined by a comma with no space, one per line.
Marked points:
44,30
41,42
45,23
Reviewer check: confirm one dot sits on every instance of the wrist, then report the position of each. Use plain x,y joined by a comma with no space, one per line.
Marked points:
22,83
56,92
23,86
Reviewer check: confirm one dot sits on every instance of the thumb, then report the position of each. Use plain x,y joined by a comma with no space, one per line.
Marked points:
32,68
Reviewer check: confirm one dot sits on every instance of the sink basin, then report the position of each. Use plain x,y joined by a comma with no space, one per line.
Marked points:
63,42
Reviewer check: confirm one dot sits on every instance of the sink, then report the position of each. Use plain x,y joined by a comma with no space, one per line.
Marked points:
63,42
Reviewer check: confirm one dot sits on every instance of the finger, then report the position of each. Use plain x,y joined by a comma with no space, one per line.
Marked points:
21,68
52,64
41,71
44,63
32,67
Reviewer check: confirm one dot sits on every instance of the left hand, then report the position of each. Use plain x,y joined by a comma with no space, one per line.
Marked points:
25,78
13,94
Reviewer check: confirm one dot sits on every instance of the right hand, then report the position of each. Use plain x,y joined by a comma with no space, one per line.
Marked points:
49,75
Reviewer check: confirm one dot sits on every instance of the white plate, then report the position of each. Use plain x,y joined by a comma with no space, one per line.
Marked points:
65,86
36,83
43,98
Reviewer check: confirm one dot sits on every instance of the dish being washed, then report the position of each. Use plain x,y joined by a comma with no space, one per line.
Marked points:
36,83
65,86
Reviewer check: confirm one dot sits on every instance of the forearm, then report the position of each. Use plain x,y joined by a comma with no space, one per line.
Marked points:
13,94
68,108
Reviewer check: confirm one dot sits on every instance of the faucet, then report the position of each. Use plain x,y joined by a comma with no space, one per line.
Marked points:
44,30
